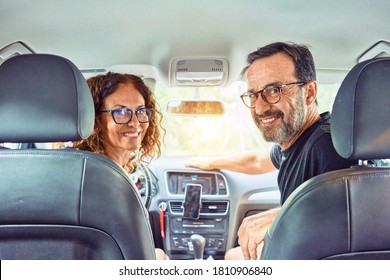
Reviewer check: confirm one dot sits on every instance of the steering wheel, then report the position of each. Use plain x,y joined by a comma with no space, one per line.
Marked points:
143,181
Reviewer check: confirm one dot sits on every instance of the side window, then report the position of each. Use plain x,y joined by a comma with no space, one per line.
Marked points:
326,95
383,162
10,145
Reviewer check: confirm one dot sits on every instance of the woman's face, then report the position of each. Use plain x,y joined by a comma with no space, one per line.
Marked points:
122,138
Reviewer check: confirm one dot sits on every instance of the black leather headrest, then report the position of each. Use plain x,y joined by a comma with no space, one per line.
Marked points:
360,122
44,98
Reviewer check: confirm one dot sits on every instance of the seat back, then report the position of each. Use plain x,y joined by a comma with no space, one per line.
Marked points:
344,214
61,204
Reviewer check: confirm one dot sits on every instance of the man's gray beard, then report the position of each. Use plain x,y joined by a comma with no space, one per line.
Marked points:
291,124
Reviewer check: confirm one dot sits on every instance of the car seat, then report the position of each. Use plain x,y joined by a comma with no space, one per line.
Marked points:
61,204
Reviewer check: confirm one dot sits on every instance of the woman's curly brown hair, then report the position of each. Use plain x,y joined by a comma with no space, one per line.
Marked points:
104,85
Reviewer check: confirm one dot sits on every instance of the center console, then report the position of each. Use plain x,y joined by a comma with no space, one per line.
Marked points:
212,222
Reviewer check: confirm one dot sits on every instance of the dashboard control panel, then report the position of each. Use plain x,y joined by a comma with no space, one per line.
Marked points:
213,220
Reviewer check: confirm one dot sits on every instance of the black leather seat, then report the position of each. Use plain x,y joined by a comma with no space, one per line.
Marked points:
61,204
345,214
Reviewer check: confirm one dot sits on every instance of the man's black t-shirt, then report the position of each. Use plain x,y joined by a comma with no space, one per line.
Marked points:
310,155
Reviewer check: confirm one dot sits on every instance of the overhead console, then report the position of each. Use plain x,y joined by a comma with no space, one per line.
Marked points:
199,205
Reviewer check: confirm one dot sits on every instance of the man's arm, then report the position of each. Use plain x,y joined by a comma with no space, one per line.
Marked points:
253,230
248,163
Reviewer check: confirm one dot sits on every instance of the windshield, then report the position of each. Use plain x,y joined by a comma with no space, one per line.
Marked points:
230,133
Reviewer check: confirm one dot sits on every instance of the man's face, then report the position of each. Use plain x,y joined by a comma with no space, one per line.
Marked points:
281,121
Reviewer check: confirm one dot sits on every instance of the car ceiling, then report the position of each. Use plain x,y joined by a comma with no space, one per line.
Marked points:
121,34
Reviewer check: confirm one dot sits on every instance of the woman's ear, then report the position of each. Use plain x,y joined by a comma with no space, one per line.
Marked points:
311,92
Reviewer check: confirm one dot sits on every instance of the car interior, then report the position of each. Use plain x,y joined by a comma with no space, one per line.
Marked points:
61,203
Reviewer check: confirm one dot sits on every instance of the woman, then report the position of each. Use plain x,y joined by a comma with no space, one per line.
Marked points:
127,123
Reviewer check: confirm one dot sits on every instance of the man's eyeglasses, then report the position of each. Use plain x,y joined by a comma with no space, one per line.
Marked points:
124,115
270,94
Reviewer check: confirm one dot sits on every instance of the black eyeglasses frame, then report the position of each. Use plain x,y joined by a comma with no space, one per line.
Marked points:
149,113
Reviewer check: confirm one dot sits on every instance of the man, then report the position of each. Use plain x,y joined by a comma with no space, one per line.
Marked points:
282,99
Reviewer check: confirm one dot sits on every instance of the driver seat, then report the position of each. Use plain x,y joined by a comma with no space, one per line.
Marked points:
344,214
61,204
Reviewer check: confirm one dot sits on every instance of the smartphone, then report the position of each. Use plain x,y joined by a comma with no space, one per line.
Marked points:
192,201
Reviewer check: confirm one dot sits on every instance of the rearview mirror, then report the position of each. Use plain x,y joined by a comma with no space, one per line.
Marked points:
195,107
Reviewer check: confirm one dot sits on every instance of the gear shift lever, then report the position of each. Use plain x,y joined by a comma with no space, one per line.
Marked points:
198,242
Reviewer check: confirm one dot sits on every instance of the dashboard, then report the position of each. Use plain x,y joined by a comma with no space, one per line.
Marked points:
225,199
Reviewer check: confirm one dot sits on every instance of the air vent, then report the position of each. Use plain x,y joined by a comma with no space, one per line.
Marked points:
176,207
198,72
214,207
208,207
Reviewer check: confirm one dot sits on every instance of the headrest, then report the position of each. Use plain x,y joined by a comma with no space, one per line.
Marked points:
44,98
360,122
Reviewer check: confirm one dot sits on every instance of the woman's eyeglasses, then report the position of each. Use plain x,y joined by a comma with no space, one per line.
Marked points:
124,115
